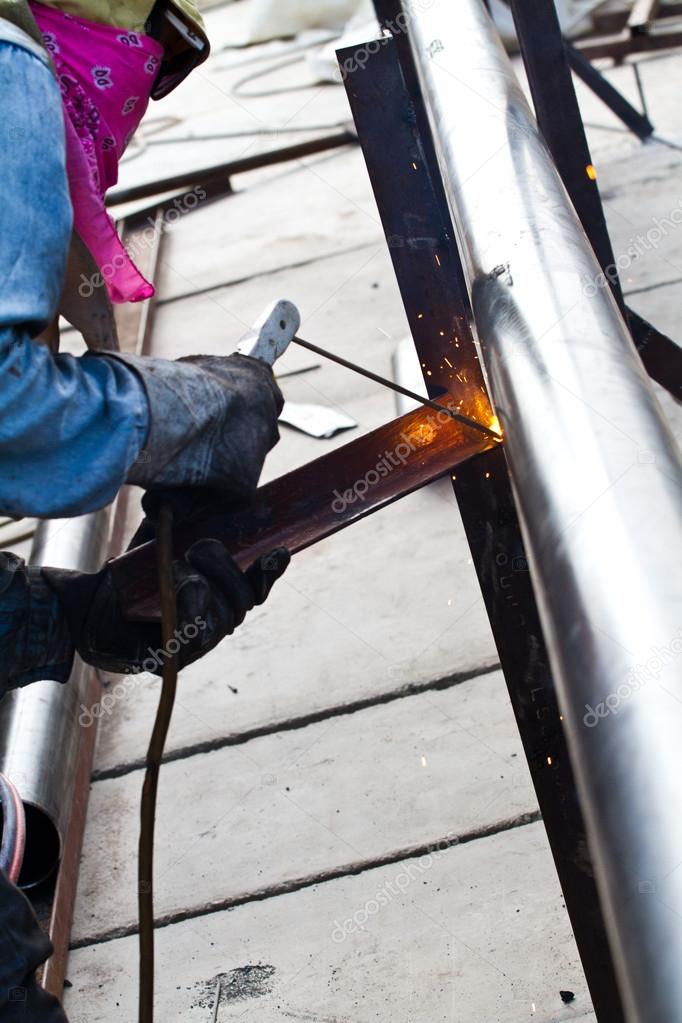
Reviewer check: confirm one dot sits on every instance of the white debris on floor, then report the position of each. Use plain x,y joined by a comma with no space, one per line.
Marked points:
347,828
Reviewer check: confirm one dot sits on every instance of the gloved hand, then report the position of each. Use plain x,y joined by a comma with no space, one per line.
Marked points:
34,638
213,420
213,597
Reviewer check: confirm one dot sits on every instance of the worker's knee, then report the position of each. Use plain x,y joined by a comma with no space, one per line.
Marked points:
35,208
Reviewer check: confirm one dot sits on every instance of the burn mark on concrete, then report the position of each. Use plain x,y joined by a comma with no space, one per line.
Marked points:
237,985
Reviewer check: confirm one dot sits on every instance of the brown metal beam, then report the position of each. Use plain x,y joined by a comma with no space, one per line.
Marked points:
667,36
316,500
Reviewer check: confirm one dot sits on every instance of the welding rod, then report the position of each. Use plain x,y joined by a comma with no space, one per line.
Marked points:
397,388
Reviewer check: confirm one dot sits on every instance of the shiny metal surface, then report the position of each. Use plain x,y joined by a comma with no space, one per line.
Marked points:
40,731
598,480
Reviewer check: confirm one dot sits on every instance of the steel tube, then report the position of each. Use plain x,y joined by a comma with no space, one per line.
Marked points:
598,480
42,726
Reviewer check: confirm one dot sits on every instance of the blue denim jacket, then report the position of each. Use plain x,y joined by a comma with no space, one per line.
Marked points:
70,428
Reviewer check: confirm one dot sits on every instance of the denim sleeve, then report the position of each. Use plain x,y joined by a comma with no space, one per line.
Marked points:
70,429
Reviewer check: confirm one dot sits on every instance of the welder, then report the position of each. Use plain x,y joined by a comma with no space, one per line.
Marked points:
74,430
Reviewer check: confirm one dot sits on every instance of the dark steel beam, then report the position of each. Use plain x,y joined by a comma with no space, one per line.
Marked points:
636,122
545,52
556,108
661,356
546,58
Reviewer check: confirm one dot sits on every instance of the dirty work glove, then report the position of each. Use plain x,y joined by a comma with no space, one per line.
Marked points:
213,597
34,638
213,420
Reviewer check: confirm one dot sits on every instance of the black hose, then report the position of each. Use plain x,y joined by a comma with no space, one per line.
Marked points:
164,539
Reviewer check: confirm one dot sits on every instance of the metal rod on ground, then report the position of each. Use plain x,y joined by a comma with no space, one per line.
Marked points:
216,1007
598,479
399,389
640,88
212,177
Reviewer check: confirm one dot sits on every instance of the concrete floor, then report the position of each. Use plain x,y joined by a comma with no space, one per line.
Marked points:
357,721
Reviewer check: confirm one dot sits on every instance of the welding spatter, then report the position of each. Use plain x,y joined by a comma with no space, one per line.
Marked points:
276,329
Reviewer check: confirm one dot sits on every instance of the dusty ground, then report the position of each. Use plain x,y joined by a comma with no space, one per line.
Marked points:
357,721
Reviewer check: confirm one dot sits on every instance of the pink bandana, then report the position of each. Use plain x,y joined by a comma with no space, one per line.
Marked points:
106,75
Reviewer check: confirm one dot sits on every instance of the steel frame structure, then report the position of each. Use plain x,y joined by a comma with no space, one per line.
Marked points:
395,137
557,362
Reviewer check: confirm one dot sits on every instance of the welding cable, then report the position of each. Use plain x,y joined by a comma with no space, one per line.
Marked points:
237,88
13,830
293,46
277,65
139,144
164,539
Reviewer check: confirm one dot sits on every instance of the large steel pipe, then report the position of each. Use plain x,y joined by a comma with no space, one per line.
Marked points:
597,477
42,726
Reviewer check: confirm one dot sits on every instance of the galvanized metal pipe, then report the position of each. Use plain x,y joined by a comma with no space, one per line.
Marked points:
598,480
42,726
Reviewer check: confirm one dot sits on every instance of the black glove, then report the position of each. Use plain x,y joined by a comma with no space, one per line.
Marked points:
212,421
213,596
34,637
188,505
